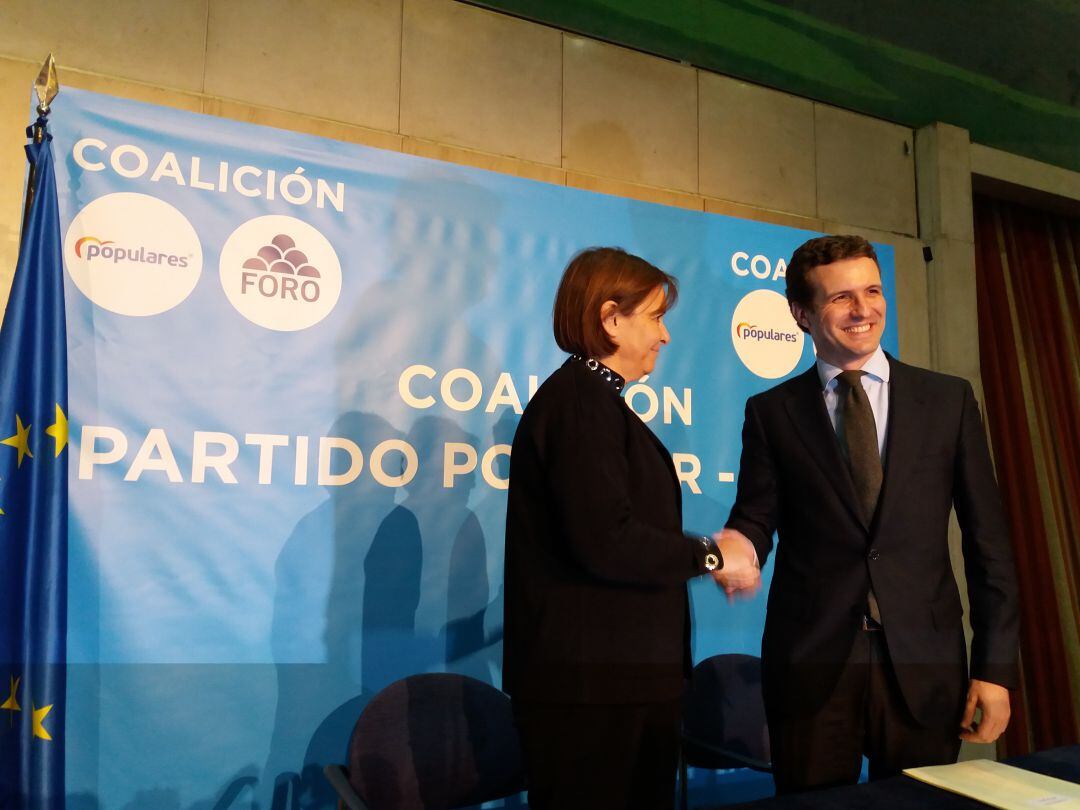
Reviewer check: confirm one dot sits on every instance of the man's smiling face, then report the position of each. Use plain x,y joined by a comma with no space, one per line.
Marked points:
847,317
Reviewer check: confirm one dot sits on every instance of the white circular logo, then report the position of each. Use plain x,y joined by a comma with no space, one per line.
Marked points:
280,273
766,337
133,254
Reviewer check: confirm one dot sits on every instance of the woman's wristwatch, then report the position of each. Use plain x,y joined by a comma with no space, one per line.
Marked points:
714,560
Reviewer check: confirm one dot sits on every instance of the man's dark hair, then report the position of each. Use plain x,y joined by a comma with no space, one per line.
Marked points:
596,275
816,252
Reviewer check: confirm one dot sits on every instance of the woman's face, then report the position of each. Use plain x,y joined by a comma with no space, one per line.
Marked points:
638,336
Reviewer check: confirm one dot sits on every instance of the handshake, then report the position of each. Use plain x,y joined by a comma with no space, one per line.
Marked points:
741,575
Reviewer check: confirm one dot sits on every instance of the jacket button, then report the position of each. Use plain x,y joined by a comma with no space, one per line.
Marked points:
873,554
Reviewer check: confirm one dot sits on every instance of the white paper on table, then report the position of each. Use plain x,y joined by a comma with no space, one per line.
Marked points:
1000,785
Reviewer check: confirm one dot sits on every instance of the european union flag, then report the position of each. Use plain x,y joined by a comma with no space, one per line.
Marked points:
33,507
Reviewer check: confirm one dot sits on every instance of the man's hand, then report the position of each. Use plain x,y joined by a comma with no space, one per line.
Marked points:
741,575
993,700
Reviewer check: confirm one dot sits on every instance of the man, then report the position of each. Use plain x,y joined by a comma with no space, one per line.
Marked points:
856,464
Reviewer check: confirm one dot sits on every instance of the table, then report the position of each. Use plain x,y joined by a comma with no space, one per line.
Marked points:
906,793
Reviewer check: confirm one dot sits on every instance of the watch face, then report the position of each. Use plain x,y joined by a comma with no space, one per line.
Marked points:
711,562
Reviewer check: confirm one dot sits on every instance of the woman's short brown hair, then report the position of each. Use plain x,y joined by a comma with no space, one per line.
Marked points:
594,276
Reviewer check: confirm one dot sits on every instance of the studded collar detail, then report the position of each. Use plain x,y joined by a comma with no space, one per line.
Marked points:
612,378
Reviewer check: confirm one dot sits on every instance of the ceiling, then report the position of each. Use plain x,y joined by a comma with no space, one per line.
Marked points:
1008,71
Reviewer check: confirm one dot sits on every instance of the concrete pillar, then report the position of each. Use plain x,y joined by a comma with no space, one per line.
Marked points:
943,183
946,226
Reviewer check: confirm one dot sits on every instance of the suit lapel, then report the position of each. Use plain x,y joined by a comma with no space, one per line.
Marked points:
806,409
906,413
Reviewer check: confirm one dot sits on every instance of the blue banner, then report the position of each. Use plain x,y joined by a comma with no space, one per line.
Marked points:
34,506
296,367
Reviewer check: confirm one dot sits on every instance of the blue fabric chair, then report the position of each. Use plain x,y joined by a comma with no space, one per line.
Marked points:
431,741
724,717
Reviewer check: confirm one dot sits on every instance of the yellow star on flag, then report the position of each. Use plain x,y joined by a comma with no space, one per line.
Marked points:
59,430
12,703
20,441
39,718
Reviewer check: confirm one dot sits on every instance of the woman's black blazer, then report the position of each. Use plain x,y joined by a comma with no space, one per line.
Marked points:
596,606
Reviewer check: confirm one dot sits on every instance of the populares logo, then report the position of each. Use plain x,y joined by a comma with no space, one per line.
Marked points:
765,336
90,248
94,243
133,254
750,331
280,273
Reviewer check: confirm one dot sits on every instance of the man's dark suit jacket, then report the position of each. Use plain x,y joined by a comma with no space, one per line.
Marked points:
596,608
794,479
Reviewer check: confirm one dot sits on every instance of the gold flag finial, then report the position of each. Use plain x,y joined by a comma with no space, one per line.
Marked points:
46,85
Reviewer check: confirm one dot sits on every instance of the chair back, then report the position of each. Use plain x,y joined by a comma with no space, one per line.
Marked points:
724,715
435,741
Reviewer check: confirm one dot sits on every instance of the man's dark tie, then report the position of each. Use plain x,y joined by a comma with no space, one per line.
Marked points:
861,443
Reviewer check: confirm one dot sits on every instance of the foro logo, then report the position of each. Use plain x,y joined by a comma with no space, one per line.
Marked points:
764,334
133,254
280,257
280,273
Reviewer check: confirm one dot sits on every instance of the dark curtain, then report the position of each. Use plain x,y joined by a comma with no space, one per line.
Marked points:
1029,316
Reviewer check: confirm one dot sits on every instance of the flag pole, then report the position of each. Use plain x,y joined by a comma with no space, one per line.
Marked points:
46,85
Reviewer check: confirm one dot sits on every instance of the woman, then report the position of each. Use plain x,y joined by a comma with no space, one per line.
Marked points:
597,618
